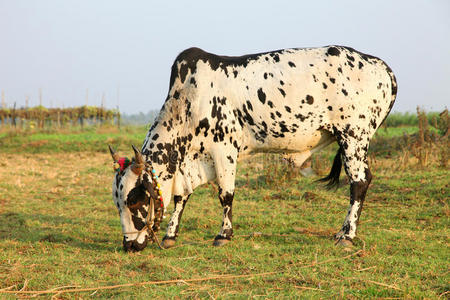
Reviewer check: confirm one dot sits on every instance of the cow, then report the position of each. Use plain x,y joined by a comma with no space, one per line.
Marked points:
221,108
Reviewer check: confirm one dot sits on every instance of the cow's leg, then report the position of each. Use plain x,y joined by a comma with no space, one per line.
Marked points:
357,169
226,232
226,172
174,223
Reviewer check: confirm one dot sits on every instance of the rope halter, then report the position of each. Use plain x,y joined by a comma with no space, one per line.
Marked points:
153,191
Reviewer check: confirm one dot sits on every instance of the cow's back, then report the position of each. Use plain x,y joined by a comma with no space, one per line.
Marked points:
272,100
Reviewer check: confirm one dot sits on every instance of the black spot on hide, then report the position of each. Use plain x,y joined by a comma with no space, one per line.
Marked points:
203,124
261,96
333,51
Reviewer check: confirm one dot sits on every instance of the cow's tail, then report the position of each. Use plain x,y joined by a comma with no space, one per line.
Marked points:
335,172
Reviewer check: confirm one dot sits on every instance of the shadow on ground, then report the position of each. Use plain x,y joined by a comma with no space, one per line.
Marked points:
27,228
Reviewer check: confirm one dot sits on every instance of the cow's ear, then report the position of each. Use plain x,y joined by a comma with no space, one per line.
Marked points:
114,154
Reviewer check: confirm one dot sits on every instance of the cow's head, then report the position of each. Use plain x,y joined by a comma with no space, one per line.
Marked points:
137,196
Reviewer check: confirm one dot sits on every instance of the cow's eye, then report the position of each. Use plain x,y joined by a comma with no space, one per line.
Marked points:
136,196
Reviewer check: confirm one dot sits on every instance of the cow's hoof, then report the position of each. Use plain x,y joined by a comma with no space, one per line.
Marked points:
220,242
168,243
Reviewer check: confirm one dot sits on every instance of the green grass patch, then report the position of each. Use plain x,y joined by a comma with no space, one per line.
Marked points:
394,132
53,141
396,119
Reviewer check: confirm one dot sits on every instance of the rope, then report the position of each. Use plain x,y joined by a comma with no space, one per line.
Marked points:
154,237
225,276
111,287
148,226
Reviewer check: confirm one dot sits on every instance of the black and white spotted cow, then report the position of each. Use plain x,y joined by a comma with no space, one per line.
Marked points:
218,108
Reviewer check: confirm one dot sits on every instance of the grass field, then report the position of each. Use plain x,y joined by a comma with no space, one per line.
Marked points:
59,229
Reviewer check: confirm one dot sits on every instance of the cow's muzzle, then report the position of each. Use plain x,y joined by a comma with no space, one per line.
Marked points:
134,245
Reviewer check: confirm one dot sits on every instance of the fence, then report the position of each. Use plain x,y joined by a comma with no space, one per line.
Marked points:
42,117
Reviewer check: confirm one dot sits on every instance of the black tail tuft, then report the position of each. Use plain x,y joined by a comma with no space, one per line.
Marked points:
333,177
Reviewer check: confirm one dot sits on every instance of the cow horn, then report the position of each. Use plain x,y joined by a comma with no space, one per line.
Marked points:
138,155
114,155
139,162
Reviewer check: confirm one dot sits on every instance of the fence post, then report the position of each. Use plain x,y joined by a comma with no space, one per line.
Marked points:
13,116
81,117
3,108
118,117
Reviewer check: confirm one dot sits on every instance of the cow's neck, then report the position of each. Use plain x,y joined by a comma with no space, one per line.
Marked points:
165,148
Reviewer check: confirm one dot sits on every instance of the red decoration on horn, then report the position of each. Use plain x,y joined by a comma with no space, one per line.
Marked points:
123,162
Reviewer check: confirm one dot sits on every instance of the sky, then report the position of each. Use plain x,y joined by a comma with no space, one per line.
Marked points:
80,52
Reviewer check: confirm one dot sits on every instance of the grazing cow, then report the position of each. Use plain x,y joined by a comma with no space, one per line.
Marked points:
292,101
